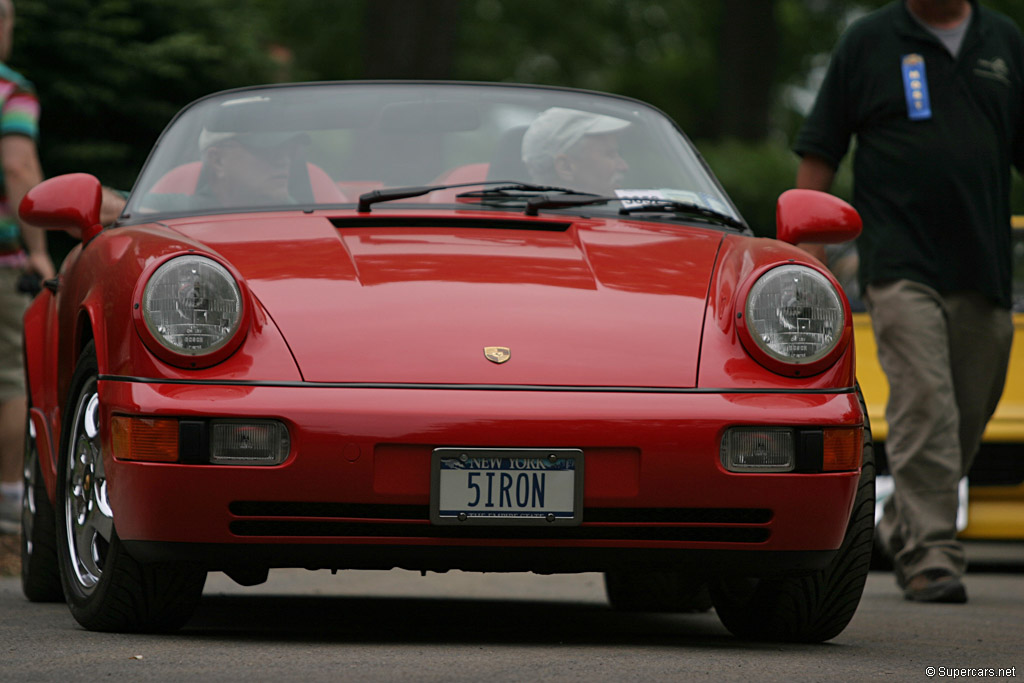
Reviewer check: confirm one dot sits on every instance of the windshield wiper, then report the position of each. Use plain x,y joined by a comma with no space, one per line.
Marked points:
673,206
547,197
517,190
565,201
506,189
539,196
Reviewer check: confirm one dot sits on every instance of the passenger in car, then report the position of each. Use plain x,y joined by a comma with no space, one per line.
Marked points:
575,149
247,169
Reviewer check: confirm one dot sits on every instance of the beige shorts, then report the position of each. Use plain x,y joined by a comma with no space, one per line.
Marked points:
12,311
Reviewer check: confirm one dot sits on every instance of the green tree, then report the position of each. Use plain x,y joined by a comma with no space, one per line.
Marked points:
400,39
111,73
713,66
321,39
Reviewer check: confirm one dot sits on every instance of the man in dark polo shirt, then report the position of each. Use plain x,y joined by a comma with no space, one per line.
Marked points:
933,92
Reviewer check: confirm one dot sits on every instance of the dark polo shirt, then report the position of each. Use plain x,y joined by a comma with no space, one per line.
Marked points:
933,192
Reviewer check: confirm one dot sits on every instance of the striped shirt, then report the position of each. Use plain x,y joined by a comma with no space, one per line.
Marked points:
19,115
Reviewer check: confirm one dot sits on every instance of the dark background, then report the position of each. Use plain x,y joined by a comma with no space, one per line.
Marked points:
737,75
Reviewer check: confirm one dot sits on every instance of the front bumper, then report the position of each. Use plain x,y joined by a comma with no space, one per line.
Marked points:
355,489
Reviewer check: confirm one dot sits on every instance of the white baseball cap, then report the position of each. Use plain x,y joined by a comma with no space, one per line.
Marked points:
557,129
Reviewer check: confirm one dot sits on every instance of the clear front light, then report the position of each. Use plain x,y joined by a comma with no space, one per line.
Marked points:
263,442
192,305
755,449
794,314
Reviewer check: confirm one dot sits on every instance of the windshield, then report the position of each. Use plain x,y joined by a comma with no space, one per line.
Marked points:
319,145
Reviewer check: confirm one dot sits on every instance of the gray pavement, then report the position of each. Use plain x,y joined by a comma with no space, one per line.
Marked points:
399,626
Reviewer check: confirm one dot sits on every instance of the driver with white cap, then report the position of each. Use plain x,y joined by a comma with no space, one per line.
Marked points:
575,149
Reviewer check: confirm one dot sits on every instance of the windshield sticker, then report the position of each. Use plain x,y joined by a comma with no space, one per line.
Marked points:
634,198
714,204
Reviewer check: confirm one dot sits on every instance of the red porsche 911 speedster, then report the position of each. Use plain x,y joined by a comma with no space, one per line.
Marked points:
443,326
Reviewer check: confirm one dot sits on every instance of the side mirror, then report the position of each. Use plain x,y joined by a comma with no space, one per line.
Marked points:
67,202
817,217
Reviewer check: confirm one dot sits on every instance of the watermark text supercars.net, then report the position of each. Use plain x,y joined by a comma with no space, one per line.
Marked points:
969,672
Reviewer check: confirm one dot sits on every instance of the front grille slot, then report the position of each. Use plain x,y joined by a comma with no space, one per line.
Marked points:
294,519
337,510
589,533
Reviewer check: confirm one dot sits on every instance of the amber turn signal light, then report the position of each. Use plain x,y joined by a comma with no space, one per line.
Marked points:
843,449
144,438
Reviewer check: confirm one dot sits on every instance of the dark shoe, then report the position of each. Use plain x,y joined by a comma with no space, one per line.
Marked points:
935,585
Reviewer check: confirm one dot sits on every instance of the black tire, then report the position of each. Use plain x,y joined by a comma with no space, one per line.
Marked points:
107,589
656,591
813,608
40,574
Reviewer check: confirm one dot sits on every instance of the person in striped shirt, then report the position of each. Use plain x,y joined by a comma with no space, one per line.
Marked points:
22,249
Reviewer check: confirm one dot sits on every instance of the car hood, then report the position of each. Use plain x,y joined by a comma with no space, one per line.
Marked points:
418,299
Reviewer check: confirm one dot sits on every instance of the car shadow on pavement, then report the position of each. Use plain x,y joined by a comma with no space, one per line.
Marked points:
437,620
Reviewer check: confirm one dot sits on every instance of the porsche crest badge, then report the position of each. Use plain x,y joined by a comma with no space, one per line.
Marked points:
497,354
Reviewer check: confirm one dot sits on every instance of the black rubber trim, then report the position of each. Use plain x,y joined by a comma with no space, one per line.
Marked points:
421,513
327,528
448,222
255,508
472,387
718,562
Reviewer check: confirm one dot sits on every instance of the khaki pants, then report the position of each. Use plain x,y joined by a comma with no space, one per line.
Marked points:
12,310
946,358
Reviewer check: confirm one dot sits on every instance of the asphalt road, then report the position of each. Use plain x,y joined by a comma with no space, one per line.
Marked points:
399,626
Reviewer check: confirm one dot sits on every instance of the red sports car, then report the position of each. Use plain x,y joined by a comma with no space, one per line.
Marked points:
443,326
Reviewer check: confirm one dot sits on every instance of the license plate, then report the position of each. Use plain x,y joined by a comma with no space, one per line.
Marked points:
506,486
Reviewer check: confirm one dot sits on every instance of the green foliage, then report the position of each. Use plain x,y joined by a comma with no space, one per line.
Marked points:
664,52
660,52
755,176
111,73
322,39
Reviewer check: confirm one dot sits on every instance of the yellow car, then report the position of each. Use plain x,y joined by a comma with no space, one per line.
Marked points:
994,495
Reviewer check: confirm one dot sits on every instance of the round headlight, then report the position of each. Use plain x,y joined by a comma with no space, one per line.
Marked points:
795,315
192,305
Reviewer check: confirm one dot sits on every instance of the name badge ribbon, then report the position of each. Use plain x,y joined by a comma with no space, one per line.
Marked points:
915,85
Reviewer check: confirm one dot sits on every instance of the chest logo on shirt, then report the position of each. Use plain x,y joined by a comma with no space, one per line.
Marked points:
915,86
995,69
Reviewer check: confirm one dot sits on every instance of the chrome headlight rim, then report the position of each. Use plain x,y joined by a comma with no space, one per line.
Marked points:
771,359
179,356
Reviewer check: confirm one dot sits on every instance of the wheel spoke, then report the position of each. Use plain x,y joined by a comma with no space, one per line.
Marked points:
91,421
102,517
88,572
28,501
90,523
